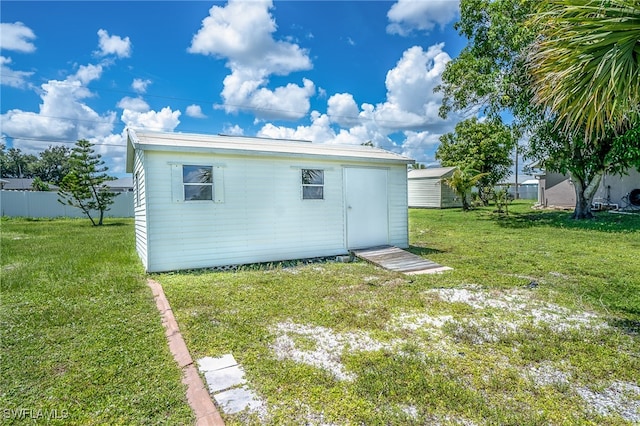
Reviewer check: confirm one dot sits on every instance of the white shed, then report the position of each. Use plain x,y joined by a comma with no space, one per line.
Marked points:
428,190
205,201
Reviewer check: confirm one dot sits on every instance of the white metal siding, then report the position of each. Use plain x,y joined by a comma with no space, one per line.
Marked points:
398,212
431,192
140,208
262,218
425,192
448,196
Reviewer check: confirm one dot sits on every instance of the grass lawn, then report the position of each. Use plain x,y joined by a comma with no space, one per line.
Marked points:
80,336
537,324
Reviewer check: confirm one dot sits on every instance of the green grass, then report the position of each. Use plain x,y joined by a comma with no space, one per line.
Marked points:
81,339
409,350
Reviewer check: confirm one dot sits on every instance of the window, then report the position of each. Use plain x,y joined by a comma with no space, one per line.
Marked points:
198,182
312,184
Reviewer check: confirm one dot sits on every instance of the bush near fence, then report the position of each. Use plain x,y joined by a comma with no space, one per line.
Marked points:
45,204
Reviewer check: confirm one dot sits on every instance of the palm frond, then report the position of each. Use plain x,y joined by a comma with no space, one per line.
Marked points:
586,64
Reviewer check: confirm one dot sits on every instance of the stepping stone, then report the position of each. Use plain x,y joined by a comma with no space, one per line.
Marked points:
211,364
237,400
225,378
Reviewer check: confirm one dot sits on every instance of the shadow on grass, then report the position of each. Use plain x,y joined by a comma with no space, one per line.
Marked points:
603,221
626,325
422,251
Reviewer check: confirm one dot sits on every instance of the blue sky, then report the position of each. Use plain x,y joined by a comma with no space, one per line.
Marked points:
328,71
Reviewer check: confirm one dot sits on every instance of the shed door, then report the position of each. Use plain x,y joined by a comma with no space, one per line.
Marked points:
367,207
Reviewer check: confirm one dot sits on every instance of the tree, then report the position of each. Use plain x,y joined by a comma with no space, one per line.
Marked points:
586,65
15,164
489,73
585,161
39,185
485,147
585,69
52,164
462,181
84,186
494,73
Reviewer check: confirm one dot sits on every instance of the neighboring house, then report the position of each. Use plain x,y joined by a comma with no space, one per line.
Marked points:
124,184
427,188
205,201
21,184
557,190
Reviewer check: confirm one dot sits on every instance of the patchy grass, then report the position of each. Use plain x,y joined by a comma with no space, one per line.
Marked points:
537,324
81,339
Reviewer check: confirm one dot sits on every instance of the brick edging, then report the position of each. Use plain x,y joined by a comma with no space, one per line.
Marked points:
197,394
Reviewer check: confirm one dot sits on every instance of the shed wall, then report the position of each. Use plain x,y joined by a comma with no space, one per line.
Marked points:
431,193
398,212
424,192
261,218
140,207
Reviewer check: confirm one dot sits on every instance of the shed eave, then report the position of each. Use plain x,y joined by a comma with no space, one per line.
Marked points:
274,153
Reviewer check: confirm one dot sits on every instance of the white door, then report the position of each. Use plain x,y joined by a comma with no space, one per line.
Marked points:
367,207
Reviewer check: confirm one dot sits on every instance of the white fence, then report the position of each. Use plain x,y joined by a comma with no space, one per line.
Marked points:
45,204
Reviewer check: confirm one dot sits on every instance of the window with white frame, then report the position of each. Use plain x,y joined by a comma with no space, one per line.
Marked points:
312,184
198,182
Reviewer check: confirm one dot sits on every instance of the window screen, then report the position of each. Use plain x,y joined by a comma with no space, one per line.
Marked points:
312,184
198,182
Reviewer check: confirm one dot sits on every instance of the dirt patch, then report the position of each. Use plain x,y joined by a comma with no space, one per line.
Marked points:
494,314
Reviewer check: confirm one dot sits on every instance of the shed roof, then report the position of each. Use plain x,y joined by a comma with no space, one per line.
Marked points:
222,144
433,172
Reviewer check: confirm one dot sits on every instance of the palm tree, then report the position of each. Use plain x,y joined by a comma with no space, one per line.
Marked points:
462,181
586,65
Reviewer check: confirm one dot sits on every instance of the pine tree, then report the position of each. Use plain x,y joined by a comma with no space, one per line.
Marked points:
84,186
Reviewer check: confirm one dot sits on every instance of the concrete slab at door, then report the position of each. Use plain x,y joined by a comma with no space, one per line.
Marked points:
367,207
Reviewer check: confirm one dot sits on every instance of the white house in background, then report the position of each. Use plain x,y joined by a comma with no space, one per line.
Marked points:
205,201
427,188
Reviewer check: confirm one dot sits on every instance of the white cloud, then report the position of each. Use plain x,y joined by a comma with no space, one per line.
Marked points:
113,45
411,107
343,110
285,102
12,78
139,85
407,16
421,146
164,120
195,111
87,73
234,130
242,33
411,102
133,104
17,37
63,115
319,131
